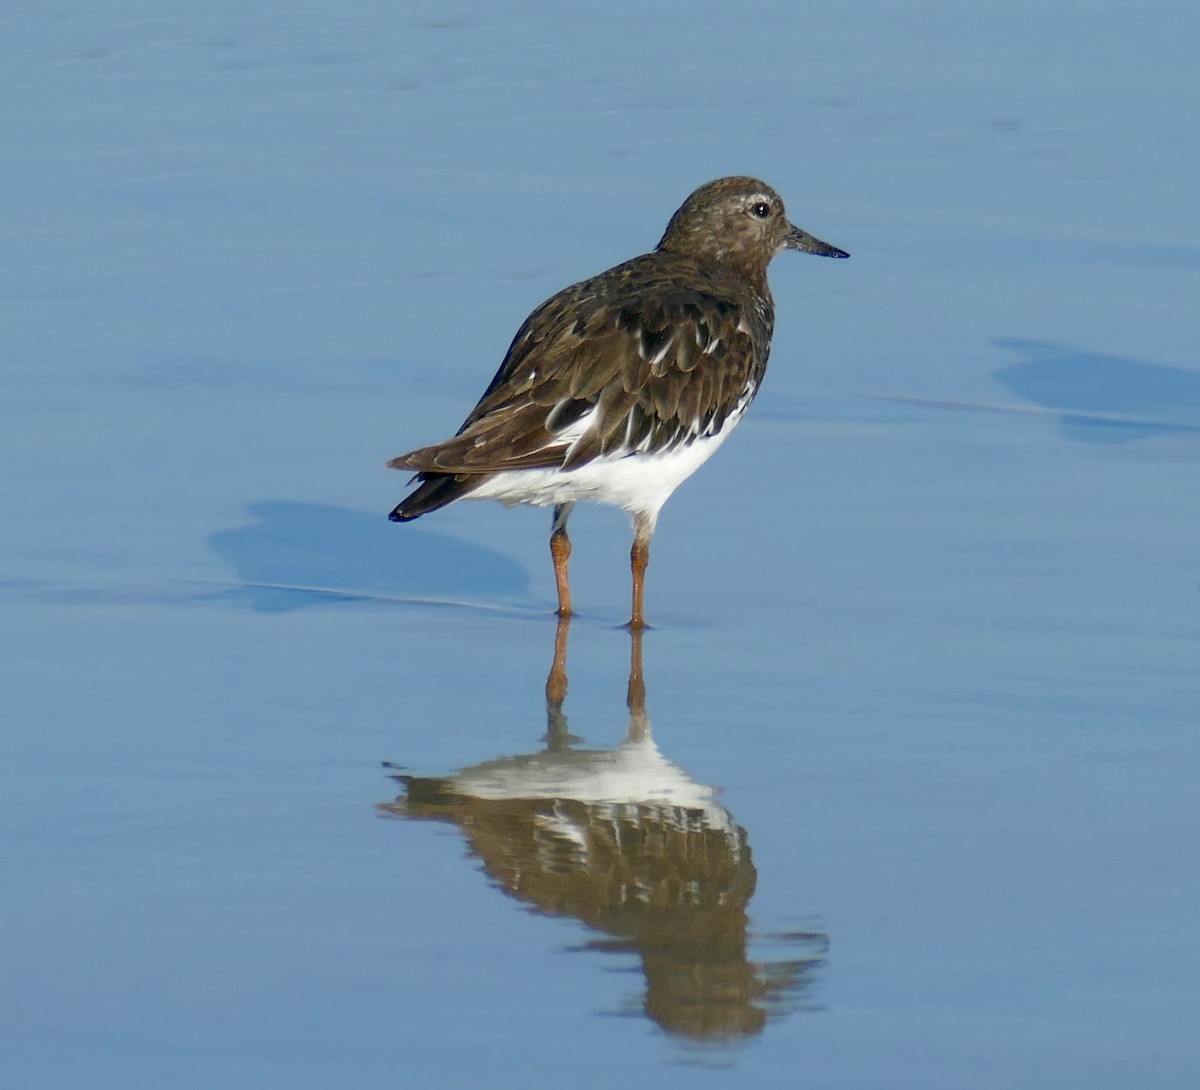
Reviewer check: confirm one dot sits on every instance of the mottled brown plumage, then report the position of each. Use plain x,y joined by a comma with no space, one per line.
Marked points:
652,361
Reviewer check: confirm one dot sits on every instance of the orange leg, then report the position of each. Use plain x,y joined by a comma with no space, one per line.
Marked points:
639,560
560,552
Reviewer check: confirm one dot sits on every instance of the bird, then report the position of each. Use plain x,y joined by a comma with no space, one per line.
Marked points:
619,387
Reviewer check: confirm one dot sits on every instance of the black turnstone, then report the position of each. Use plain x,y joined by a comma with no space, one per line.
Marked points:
620,387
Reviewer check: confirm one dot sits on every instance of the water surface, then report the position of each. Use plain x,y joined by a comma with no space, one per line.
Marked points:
903,793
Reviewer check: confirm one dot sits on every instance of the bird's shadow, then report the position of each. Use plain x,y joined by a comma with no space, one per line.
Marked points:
1102,398
298,555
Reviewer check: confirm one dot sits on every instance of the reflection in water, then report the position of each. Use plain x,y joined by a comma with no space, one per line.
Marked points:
626,842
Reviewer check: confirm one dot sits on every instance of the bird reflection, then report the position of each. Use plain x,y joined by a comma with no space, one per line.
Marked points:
629,844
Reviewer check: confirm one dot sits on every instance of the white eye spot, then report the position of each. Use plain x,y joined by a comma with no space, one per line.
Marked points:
760,209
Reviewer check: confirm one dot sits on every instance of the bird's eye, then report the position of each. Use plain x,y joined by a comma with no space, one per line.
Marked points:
761,209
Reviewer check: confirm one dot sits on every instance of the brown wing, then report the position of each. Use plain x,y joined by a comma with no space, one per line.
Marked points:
636,360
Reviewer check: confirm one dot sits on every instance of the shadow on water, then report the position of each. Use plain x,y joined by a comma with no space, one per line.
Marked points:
626,842
300,554
1103,399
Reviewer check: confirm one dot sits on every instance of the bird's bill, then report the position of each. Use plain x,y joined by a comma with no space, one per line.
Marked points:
796,239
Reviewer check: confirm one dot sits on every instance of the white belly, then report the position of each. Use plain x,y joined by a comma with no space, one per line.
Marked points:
637,483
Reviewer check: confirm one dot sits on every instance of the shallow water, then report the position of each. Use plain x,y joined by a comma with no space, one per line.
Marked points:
903,792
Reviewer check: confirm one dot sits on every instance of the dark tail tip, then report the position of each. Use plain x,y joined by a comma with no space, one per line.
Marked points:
435,491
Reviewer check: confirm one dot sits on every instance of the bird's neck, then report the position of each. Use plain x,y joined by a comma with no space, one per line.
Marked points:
747,270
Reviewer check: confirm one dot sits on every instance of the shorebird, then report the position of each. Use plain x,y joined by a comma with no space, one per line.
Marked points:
620,387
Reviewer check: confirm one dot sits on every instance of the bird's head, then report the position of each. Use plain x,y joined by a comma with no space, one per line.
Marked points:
740,222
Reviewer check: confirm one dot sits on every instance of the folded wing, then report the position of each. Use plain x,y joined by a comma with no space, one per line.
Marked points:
637,372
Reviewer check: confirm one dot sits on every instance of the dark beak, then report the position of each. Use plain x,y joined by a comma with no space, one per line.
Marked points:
796,239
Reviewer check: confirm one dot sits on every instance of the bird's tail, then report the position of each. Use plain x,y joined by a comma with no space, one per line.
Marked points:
435,490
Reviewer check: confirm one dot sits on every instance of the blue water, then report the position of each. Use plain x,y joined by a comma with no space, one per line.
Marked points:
910,799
